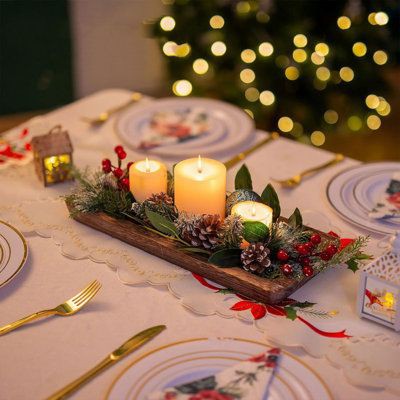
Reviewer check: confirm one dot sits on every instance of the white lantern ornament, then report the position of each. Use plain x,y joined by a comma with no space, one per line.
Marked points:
379,290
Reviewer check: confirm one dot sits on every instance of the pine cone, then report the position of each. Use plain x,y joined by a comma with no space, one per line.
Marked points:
161,198
200,231
255,258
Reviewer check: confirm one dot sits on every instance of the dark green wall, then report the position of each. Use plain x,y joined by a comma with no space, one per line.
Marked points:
35,55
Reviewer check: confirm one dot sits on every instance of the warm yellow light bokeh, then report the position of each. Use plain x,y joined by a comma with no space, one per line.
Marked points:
248,56
380,57
317,59
182,87
381,18
262,17
346,73
372,101
252,94
331,116
243,7
285,124
371,18
359,49
249,112
218,48
292,73
344,22
299,55
354,123
200,66
182,50
317,138
323,73
169,48
265,49
247,75
167,23
373,122
300,40
267,97
217,22
322,49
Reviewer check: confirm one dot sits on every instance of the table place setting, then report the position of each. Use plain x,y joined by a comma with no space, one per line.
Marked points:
188,205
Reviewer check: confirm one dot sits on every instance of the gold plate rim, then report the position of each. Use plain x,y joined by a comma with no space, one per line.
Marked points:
148,353
24,258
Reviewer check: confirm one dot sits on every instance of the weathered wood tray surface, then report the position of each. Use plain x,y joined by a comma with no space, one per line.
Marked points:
237,279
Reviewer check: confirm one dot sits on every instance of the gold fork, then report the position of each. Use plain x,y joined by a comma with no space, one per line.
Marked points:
104,116
69,307
296,179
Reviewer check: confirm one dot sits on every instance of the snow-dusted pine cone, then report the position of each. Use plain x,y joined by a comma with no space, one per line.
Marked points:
200,231
255,258
161,198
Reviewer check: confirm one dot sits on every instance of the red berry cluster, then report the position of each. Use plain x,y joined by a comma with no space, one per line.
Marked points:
304,252
122,175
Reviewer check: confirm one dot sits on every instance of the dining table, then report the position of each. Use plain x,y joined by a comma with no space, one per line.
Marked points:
140,290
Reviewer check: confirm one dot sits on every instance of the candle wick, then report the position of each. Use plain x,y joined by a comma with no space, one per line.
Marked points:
147,165
199,165
253,211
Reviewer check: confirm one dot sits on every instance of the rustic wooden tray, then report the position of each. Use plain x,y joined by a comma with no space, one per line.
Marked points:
237,279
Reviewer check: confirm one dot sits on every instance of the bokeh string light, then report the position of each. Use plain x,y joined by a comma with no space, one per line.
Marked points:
303,58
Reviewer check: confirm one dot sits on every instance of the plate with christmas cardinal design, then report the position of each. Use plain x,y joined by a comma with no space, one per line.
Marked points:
219,369
185,127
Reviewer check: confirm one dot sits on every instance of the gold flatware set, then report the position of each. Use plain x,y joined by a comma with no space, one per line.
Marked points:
71,307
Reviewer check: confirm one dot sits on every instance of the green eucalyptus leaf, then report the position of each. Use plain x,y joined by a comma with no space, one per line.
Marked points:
243,178
295,220
254,231
270,197
161,223
226,258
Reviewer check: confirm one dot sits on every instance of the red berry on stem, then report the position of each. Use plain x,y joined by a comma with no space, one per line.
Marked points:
287,269
281,255
331,249
121,155
325,256
305,261
302,250
125,183
308,271
106,165
309,246
315,238
129,165
118,172
118,148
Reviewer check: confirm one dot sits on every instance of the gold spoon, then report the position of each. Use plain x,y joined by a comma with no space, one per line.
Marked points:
296,179
104,116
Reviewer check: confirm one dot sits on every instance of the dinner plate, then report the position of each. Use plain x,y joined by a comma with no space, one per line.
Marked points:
353,191
220,127
368,191
193,359
13,252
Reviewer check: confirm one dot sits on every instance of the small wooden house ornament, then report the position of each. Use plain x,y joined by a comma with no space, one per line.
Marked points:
379,290
53,156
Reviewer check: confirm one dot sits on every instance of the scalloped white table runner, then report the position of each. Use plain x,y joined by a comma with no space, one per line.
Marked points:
45,354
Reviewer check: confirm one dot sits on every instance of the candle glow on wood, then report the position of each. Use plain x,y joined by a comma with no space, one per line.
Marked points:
147,177
200,186
253,211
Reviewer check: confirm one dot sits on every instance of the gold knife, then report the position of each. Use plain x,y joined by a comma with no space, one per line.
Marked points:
128,347
241,156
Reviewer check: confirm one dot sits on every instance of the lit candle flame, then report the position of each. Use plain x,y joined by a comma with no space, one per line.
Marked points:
147,164
253,210
199,165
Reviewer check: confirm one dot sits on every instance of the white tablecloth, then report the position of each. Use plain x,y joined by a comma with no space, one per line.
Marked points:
36,360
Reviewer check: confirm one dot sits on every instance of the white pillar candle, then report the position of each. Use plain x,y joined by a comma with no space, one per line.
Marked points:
147,177
200,186
253,211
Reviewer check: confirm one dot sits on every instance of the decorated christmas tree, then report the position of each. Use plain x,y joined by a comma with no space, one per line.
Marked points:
304,68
